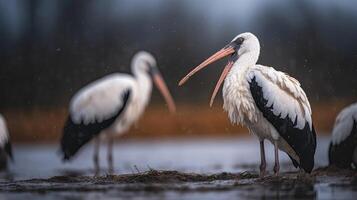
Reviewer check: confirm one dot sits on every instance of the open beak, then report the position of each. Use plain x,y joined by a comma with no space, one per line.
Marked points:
160,84
226,51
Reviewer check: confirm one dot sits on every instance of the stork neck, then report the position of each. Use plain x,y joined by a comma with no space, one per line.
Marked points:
144,84
245,61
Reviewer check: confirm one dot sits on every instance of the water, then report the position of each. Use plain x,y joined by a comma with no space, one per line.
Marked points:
200,156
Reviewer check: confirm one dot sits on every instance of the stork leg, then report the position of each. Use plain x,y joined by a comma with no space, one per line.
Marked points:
96,156
110,155
263,163
276,151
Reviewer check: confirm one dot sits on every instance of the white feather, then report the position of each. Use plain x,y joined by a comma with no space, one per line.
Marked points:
284,93
4,134
344,124
101,99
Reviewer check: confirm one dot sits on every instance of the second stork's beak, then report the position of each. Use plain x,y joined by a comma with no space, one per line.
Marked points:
226,51
160,84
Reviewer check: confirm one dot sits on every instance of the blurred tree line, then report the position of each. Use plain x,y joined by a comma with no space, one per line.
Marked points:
50,49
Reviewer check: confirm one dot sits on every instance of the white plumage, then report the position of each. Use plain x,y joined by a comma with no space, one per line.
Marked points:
5,144
110,106
343,146
281,90
271,104
100,100
4,133
344,124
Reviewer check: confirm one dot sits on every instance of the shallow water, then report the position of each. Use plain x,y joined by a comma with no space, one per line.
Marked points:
195,156
203,156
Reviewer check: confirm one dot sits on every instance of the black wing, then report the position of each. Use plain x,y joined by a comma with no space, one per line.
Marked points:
341,154
302,141
76,135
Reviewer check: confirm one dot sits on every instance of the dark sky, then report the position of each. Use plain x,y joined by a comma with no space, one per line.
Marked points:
51,48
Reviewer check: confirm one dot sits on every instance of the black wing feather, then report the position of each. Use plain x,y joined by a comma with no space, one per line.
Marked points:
8,149
302,141
341,154
5,152
77,135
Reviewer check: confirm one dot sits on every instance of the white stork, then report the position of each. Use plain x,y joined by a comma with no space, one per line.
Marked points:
270,103
5,144
110,105
343,146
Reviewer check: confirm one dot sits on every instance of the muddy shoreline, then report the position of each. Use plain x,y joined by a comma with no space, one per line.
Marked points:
289,184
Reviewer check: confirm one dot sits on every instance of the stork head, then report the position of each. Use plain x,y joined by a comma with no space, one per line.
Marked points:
244,47
145,63
246,44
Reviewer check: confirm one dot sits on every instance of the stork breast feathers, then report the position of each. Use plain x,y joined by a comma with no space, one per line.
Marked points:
283,94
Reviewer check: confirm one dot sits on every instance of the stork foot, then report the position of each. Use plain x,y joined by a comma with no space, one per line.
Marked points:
96,173
262,174
262,170
276,169
111,170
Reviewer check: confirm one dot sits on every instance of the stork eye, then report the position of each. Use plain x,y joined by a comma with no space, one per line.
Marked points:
148,66
147,63
239,40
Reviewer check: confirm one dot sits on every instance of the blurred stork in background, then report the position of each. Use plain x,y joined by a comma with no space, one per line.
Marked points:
5,144
110,105
270,103
343,146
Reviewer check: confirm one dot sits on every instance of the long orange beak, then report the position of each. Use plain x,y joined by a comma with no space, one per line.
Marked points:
160,84
226,69
226,51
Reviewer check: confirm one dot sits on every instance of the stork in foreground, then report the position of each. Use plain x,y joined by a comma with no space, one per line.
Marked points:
343,146
5,144
110,105
270,103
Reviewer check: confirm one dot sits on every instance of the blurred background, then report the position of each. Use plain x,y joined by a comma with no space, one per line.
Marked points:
50,49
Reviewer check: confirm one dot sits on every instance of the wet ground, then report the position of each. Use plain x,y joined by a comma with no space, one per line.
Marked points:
196,169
